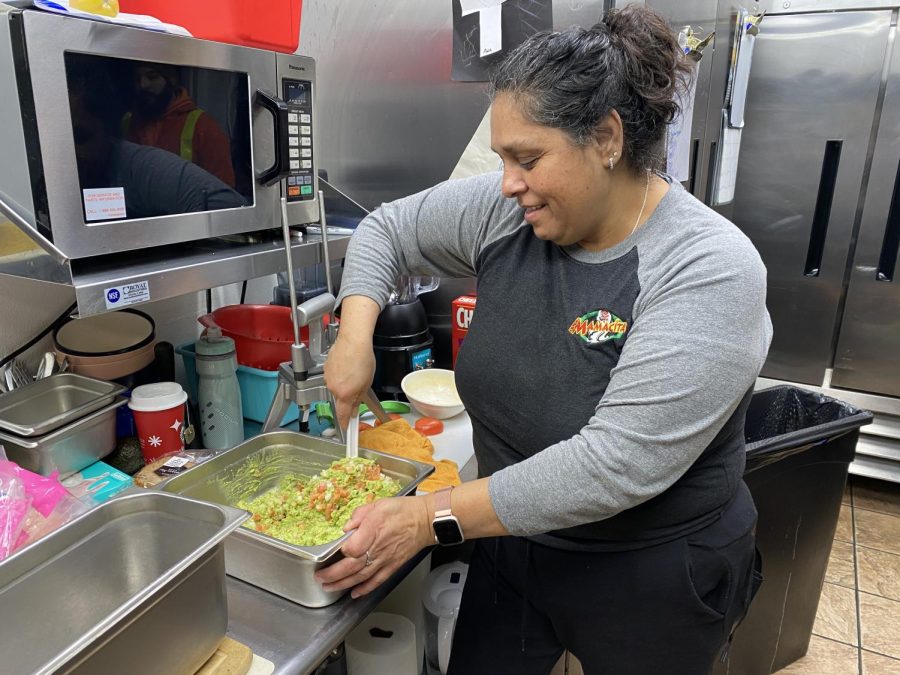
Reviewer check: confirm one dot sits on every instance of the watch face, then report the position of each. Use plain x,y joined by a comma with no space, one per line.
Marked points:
447,531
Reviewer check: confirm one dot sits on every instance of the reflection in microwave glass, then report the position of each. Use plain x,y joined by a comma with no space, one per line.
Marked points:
169,139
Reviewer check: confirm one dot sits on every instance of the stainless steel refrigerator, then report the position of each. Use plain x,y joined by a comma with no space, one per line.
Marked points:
817,189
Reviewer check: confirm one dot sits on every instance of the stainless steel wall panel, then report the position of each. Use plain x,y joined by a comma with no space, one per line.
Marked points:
392,122
815,78
867,357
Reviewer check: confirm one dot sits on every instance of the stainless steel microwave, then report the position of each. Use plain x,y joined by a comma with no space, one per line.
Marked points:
116,139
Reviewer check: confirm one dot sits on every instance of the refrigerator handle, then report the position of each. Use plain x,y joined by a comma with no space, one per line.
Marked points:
711,173
887,261
822,212
695,165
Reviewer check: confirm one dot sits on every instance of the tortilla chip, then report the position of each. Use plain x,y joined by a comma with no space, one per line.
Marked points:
397,437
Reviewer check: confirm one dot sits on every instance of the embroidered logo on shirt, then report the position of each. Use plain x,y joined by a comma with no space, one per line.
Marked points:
598,326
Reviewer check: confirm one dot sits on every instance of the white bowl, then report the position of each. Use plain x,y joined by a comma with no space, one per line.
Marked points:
432,392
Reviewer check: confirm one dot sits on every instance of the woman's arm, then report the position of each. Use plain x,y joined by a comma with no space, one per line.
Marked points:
438,232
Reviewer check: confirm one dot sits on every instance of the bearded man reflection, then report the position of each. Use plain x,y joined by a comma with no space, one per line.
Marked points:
165,116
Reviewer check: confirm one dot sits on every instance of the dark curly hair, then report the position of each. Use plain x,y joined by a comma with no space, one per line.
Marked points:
629,62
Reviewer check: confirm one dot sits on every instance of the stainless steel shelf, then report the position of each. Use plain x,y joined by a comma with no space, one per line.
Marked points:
196,267
170,271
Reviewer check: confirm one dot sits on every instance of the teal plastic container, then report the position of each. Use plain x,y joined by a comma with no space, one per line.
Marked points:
257,387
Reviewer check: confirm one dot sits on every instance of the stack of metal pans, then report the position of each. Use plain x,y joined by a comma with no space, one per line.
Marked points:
61,423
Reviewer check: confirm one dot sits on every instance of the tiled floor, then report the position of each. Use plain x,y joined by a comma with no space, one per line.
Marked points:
857,629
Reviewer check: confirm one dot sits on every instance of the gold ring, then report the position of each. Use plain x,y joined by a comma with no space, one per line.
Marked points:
369,560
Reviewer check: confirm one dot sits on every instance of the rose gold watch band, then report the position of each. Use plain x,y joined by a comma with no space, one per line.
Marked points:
442,502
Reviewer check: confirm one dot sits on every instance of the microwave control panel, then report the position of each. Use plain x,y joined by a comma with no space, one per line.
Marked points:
301,179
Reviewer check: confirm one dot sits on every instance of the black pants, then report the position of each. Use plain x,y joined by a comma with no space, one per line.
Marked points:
668,609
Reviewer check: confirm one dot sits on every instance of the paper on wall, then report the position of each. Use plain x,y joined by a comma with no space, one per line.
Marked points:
728,164
678,144
489,23
490,30
741,79
469,6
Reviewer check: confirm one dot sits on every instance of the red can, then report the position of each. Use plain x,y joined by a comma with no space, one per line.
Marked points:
463,308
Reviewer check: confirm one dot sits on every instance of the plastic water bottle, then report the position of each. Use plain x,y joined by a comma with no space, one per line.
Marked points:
221,420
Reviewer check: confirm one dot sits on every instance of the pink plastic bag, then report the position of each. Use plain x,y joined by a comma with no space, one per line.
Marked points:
31,506
14,507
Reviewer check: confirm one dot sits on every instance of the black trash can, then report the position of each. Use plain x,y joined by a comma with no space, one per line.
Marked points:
799,446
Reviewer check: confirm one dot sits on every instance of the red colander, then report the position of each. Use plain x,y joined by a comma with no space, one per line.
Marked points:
262,334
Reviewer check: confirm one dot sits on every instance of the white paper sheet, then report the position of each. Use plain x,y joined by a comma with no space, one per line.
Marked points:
104,203
489,23
728,164
491,30
678,145
469,6
741,79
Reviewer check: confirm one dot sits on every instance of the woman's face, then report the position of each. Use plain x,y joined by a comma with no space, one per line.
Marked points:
562,186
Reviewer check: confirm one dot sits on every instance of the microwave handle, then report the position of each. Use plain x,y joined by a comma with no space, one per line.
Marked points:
279,109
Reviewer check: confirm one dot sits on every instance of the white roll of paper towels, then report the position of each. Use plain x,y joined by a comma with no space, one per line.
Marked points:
383,644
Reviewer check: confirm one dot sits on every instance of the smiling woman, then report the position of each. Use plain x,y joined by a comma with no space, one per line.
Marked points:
621,325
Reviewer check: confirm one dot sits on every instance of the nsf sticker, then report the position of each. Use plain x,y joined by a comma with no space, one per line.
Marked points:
128,294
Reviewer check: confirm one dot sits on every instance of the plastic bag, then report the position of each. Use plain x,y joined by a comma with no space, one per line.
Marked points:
170,465
32,506
14,507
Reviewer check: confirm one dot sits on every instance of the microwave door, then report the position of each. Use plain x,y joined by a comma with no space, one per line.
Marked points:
145,139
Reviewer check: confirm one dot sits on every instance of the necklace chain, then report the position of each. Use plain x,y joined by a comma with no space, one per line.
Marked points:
643,204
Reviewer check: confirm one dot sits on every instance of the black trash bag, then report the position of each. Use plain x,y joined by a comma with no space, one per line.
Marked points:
786,418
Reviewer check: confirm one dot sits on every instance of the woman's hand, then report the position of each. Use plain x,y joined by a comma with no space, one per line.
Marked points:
349,370
350,366
388,533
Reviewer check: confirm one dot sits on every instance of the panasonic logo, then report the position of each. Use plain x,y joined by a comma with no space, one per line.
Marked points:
293,67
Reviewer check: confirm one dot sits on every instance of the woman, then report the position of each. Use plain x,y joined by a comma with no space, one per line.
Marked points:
620,327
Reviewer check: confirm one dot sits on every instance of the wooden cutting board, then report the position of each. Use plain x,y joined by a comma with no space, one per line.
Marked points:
231,658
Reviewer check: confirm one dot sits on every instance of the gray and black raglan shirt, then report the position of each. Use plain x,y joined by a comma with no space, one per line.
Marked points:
606,390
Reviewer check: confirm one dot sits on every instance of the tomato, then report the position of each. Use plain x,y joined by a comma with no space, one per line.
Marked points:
365,425
393,416
429,426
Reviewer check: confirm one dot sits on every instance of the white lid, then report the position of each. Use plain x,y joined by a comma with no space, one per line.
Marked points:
443,588
159,396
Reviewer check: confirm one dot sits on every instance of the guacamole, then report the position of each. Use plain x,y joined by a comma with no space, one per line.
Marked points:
311,511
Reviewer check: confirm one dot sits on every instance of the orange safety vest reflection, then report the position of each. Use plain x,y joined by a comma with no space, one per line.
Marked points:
186,144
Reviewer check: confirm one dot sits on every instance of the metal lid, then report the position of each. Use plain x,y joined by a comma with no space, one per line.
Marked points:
159,396
213,344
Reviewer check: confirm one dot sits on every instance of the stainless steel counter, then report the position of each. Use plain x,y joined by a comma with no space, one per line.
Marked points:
296,638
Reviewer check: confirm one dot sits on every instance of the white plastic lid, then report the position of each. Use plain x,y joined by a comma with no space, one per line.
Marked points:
443,588
158,396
